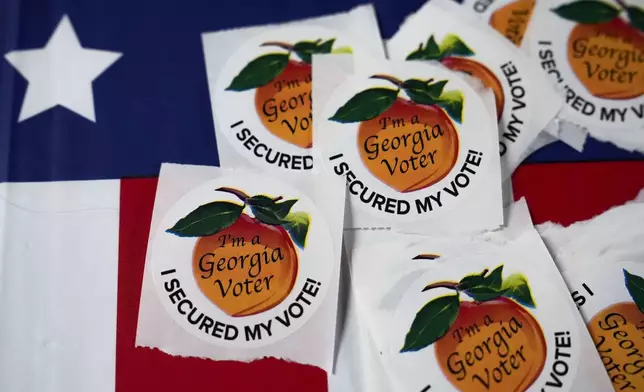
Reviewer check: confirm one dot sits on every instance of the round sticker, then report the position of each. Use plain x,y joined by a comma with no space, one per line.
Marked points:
242,261
594,52
512,19
509,18
486,57
262,95
410,144
488,327
611,299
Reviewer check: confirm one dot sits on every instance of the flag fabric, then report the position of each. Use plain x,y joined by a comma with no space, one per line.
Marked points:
58,285
94,96
150,104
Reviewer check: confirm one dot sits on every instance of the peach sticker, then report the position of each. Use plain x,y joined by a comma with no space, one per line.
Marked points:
593,52
492,342
263,96
508,17
260,85
446,316
610,297
408,144
242,262
525,102
512,19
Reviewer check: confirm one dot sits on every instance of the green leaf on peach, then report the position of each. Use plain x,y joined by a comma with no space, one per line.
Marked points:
297,225
259,72
587,12
431,48
452,45
635,287
431,322
495,278
430,51
470,281
365,105
305,49
452,103
423,93
483,292
636,17
516,287
268,210
284,207
207,219
416,54
326,46
260,200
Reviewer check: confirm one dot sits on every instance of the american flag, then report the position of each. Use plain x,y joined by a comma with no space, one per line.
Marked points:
94,96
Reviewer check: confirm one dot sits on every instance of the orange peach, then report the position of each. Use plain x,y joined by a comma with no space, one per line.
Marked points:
495,345
247,268
409,146
284,105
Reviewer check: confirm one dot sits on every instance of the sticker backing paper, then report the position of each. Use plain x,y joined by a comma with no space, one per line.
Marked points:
260,85
241,266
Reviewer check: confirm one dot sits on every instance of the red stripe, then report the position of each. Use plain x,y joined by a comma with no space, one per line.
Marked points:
569,192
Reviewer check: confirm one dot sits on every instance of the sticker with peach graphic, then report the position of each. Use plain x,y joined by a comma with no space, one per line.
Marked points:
263,96
453,53
489,342
525,101
508,17
605,51
375,108
512,112
497,329
593,50
283,84
512,19
611,300
235,265
223,230
407,144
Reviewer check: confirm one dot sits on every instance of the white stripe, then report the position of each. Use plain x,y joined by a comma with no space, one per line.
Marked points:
58,282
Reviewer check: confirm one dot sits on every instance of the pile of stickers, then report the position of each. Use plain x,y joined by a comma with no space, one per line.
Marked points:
362,218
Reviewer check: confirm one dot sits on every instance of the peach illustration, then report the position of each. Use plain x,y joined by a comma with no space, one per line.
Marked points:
512,19
245,279
245,265
407,143
282,87
606,52
492,343
453,53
